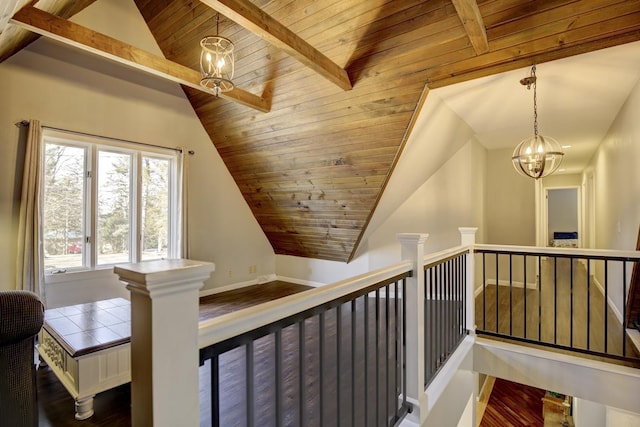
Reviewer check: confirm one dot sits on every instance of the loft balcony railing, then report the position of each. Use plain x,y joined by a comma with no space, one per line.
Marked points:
340,362
445,314
563,298
369,350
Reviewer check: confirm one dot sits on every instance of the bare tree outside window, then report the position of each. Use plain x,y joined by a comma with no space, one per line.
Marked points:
120,212
63,222
114,189
155,208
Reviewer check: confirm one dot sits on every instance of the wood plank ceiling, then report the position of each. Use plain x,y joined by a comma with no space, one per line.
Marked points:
313,167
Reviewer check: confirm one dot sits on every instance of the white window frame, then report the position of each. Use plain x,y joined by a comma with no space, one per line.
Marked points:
92,146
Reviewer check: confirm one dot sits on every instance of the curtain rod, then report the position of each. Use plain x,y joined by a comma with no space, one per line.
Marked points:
26,123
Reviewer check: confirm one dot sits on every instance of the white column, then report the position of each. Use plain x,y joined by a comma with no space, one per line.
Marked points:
164,340
468,238
413,250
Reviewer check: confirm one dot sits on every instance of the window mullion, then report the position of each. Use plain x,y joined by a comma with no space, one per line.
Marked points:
136,209
91,206
174,216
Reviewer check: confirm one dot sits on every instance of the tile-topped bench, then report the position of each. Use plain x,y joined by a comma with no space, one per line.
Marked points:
87,346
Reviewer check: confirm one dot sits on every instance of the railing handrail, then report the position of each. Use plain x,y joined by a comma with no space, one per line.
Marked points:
229,325
568,252
436,257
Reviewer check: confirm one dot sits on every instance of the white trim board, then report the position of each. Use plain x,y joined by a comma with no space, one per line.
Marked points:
300,281
515,284
231,287
259,280
610,303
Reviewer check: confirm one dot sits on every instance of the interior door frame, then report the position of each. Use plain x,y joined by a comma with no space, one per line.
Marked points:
542,231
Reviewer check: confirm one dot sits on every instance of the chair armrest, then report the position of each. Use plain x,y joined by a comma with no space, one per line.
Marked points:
21,316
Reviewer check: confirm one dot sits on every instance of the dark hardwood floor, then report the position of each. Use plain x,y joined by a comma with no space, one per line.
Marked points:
227,302
112,407
513,405
56,407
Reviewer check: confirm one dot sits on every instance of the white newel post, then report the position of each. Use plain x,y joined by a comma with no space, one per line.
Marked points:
413,250
468,238
164,340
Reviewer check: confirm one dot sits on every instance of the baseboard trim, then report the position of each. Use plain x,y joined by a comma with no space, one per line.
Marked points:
231,287
634,336
515,284
483,398
477,292
300,281
610,303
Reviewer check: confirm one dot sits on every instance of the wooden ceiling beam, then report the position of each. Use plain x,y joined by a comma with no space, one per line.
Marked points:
251,17
85,39
473,24
13,38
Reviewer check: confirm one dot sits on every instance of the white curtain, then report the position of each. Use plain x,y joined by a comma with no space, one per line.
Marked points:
30,255
183,227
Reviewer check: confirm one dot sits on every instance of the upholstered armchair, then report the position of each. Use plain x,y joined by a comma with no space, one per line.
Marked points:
21,317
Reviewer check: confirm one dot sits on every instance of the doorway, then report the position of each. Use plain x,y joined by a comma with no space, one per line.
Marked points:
562,217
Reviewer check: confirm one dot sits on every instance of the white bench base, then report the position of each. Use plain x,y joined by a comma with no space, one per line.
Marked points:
87,375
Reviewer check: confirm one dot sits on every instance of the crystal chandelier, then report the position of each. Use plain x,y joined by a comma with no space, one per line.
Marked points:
216,62
536,156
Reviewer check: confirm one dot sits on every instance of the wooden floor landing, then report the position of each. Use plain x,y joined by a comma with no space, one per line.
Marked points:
227,302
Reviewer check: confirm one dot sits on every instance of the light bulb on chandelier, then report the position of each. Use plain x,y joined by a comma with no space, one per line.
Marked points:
217,62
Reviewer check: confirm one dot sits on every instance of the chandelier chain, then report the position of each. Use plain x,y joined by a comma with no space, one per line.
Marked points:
537,156
535,102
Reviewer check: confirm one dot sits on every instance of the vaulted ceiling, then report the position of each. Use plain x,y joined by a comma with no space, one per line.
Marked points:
327,90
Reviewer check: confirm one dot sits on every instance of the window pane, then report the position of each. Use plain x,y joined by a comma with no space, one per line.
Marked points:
155,208
63,206
114,189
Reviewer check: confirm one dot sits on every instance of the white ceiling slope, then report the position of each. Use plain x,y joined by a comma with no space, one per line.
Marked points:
578,99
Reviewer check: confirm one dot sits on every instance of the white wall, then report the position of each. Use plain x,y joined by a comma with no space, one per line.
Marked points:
67,89
562,180
619,418
617,188
591,414
317,272
588,414
451,395
510,202
448,200
617,178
